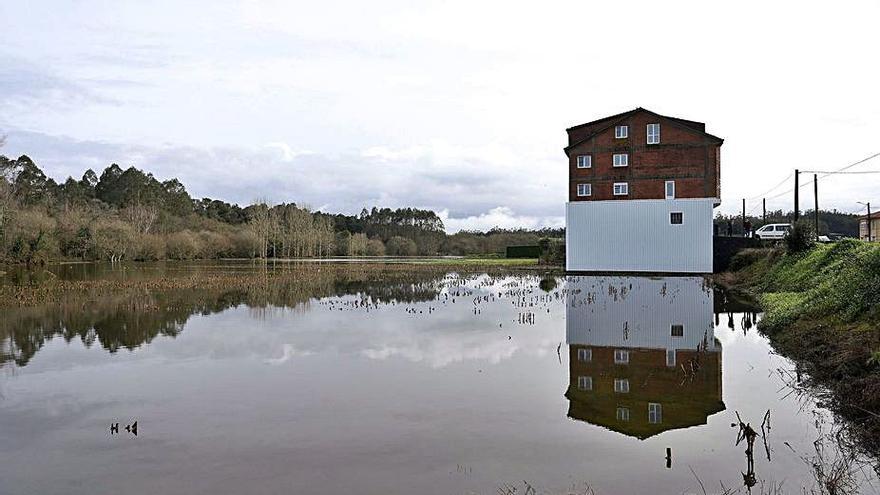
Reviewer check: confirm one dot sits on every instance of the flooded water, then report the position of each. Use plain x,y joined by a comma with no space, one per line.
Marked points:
412,382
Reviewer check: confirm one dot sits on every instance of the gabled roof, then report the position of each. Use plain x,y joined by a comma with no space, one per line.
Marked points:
605,123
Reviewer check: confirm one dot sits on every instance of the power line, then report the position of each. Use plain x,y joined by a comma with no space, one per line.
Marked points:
807,183
783,181
841,173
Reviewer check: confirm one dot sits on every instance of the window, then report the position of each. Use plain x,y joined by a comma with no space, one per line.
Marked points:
621,131
585,189
655,413
670,189
653,133
621,188
585,355
676,218
585,383
621,159
621,356
585,161
677,331
670,357
621,385
623,414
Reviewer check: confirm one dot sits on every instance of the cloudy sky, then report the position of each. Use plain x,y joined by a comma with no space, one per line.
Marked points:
458,106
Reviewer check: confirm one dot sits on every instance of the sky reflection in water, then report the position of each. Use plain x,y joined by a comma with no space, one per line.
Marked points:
420,385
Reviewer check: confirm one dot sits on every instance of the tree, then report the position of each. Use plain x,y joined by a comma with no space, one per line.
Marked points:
141,216
375,248
29,184
258,224
343,243
111,239
401,246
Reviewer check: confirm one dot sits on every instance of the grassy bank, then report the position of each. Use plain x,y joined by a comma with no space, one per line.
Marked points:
822,309
838,283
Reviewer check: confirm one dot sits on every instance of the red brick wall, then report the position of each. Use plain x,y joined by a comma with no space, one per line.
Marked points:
684,155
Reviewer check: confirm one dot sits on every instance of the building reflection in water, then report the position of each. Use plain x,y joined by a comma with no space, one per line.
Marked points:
643,358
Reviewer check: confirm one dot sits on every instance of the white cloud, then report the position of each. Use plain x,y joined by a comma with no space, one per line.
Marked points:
405,96
501,217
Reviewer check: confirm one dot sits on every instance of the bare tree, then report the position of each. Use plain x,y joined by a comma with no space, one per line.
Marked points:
260,225
141,217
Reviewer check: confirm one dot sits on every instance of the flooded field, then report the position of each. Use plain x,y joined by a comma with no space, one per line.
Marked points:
330,379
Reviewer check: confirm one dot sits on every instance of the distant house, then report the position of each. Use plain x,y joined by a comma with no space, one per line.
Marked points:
642,187
875,228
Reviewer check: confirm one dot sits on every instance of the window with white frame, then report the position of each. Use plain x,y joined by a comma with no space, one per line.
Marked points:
621,356
655,413
623,414
585,383
621,159
585,355
621,131
653,133
670,189
677,331
621,385
585,190
585,161
621,188
670,357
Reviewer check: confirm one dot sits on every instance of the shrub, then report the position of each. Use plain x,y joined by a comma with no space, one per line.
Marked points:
214,245
375,248
244,244
74,233
148,247
800,238
29,237
552,251
111,239
183,245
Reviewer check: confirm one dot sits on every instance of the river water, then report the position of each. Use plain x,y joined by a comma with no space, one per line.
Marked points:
415,382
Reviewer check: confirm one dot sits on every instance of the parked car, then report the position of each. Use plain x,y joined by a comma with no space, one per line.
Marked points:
834,236
773,231
824,238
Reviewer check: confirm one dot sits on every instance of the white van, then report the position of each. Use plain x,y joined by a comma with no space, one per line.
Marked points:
773,231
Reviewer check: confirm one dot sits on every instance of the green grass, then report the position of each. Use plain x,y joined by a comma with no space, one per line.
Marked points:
838,282
480,261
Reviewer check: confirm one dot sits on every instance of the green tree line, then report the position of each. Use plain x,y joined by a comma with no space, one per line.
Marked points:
128,214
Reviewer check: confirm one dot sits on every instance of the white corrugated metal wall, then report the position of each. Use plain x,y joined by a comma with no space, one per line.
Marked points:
637,236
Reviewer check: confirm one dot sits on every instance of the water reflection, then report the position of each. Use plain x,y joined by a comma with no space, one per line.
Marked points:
418,381
643,358
130,318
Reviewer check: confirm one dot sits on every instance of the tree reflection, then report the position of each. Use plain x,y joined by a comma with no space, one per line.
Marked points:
130,318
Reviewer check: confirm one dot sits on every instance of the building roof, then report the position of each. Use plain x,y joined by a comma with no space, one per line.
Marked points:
605,123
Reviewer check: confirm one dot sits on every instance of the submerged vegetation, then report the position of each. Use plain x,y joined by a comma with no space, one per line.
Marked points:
130,215
822,309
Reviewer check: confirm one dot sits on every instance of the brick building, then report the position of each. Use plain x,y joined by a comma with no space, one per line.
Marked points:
640,179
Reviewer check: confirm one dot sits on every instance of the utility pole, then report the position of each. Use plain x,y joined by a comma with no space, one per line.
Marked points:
764,201
797,210
745,234
816,204
869,222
